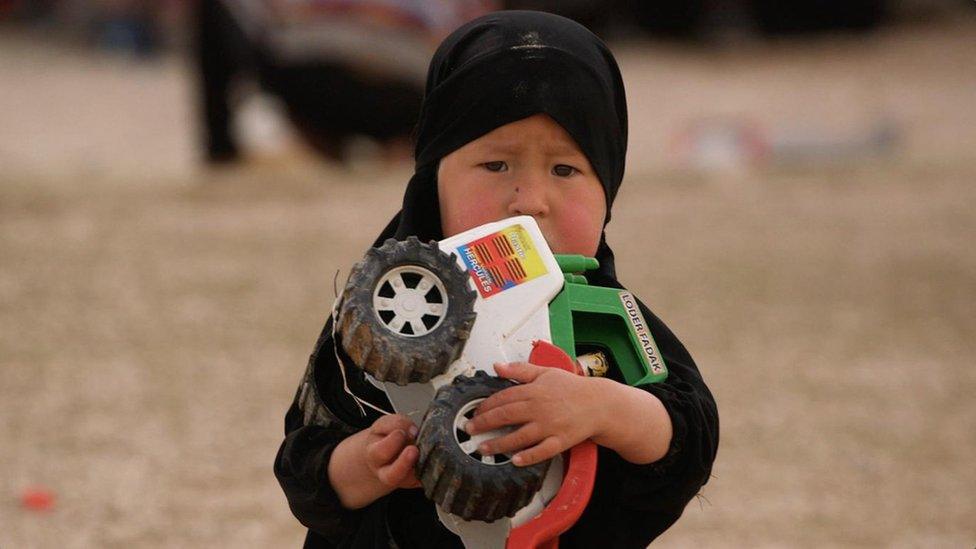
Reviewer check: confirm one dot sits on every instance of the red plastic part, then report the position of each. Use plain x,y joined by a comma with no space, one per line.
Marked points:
564,510
37,498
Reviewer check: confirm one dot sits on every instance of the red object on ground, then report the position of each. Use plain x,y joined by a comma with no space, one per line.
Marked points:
564,510
37,498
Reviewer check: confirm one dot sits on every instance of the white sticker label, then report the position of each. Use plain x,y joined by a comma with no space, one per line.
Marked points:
643,334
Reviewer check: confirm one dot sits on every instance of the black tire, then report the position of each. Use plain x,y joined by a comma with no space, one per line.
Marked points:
461,483
419,348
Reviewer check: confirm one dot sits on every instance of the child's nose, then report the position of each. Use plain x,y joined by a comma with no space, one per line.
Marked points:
529,198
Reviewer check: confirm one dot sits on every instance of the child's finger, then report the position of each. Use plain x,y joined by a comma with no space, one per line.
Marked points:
524,437
523,372
515,413
387,448
401,470
548,448
393,422
505,396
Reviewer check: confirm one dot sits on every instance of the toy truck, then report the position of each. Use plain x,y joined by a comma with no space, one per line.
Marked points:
426,322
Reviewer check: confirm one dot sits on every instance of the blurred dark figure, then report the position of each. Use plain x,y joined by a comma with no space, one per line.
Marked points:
342,68
133,27
128,25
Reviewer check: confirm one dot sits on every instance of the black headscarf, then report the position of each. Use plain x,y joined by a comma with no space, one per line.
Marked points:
504,67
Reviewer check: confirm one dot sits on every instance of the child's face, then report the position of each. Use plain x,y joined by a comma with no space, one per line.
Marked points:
529,167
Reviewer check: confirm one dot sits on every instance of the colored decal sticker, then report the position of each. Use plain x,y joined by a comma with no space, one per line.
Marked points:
643,333
502,260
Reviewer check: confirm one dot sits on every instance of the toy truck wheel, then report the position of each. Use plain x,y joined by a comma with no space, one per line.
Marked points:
454,475
406,312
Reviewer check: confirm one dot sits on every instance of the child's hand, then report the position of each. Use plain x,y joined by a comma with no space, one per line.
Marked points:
390,453
373,462
555,411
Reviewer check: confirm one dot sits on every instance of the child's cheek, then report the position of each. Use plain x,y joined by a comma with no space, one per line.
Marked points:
466,209
577,233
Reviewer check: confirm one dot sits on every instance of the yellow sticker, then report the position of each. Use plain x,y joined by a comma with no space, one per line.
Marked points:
502,260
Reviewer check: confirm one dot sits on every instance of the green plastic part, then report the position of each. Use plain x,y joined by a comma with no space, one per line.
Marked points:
607,318
575,278
576,263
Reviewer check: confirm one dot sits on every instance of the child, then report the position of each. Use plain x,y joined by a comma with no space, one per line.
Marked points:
524,114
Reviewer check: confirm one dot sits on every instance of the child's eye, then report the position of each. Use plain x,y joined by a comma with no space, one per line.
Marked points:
562,170
496,166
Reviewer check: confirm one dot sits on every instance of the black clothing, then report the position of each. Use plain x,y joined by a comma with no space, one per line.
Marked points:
630,506
495,70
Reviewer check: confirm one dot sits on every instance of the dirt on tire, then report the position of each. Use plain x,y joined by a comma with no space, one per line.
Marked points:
460,483
390,354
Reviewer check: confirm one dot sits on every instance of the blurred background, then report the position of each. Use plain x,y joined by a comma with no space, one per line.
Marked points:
181,184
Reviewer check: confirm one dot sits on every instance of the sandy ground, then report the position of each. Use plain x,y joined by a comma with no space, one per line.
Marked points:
155,318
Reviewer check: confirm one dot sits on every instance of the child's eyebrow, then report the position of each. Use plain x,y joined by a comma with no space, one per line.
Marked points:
504,147
555,148
561,148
